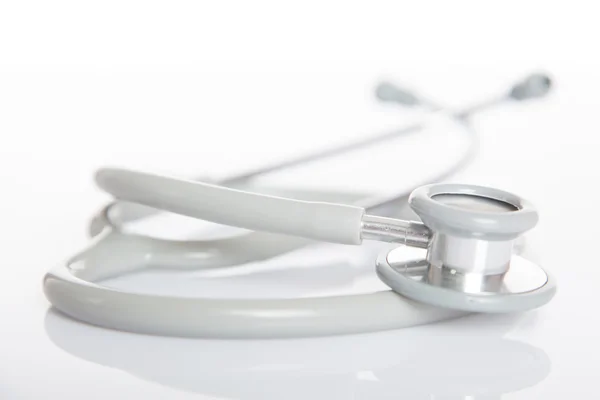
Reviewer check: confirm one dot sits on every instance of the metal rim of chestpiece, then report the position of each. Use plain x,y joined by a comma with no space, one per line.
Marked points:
469,263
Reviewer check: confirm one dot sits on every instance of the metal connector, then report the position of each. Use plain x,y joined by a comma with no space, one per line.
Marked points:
409,233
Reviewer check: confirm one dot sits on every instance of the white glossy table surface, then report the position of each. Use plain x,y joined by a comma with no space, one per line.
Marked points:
47,196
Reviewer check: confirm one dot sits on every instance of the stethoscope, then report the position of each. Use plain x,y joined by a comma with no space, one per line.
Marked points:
458,259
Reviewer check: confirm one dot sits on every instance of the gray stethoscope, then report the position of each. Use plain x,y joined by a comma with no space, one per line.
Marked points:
458,259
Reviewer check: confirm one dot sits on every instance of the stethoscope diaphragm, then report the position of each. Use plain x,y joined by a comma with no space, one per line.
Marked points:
523,287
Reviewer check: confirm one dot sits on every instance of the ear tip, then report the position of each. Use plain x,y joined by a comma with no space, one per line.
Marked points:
384,91
541,79
387,91
535,85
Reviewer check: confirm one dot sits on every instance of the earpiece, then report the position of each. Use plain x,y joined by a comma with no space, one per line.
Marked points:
535,85
389,92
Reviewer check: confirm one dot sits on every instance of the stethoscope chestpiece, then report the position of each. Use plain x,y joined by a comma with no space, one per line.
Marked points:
469,263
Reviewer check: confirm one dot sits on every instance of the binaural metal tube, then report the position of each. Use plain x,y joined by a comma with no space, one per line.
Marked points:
410,233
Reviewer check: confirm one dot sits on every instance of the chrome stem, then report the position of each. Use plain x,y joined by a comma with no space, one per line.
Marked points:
409,233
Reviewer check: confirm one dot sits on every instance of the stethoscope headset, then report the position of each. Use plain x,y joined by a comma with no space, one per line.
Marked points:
457,259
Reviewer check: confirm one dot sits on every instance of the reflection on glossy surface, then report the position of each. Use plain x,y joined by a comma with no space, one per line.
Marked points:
430,362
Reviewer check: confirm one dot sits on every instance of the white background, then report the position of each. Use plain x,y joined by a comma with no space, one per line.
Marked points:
214,88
